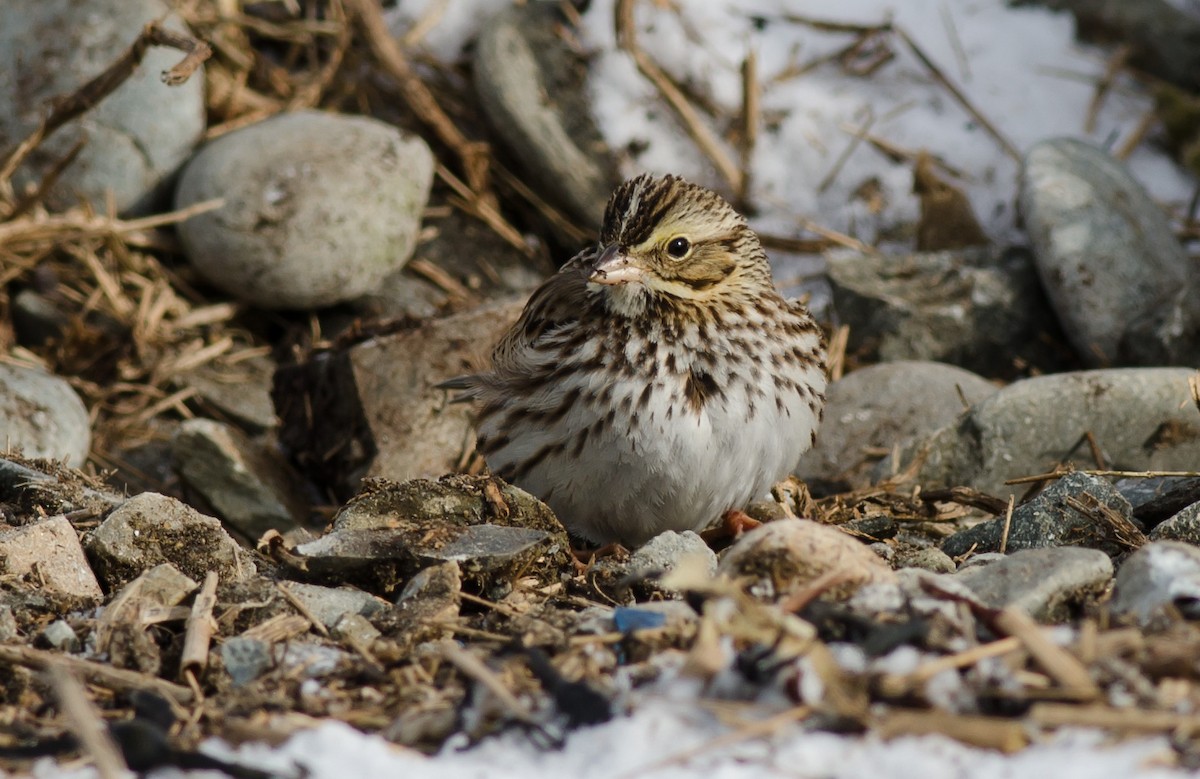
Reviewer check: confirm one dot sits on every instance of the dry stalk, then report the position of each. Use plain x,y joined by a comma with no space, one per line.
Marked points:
707,140
100,674
86,724
199,629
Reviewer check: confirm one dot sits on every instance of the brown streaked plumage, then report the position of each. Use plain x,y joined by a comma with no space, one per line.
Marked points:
658,379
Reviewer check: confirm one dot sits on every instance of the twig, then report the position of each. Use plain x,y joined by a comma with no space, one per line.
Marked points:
1007,524
472,154
1135,138
704,137
1115,63
897,685
1004,735
90,94
1054,715
118,679
300,606
751,116
898,153
836,352
199,628
29,230
482,209
958,95
473,667
1060,664
856,138
964,63
86,724
841,239
1052,475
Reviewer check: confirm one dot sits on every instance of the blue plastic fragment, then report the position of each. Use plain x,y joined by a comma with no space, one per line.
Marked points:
627,620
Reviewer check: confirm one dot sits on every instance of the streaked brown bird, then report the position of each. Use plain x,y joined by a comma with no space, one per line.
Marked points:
658,380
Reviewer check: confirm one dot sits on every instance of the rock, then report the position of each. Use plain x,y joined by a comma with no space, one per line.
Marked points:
1123,287
61,636
427,607
373,410
250,487
51,489
389,532
1142,419
788,555
982,309
42,416
1077,510
1048,584
1184,526
241,391
880,406
319,208
9,632
927,559
330,604
661,554
48,50
1158,499
53,547
150,529
1160,575
356,629
531,88
245,659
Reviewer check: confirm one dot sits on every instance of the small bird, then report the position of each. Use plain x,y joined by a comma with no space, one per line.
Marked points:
658,380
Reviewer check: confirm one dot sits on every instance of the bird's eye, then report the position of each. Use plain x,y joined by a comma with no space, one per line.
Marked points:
678,247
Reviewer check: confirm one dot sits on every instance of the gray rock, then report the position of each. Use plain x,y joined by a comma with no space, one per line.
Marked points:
1184,526
330,604
490,530
1122,285
9,631
42,416
428,606
1048,584
136,137
1142,419
245,659
61,636
978,308
927,559
883,405
356,629
373,410
149,529
1077,510
661,554
530,86
1160,498
241,391
250,487
1161,574
319,208
53,547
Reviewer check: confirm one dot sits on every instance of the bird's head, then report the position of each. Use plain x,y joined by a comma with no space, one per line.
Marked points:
670,239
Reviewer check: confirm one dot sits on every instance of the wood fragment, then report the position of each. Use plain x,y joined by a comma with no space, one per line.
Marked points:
701,133
281,627
899,685
86,725
100,674
1061,665
1003,735
199,628
1131,720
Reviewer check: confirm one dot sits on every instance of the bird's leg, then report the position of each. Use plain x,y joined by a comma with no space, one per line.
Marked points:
734,523
585,558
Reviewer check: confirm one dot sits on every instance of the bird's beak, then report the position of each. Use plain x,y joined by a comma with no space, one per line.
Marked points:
614,266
